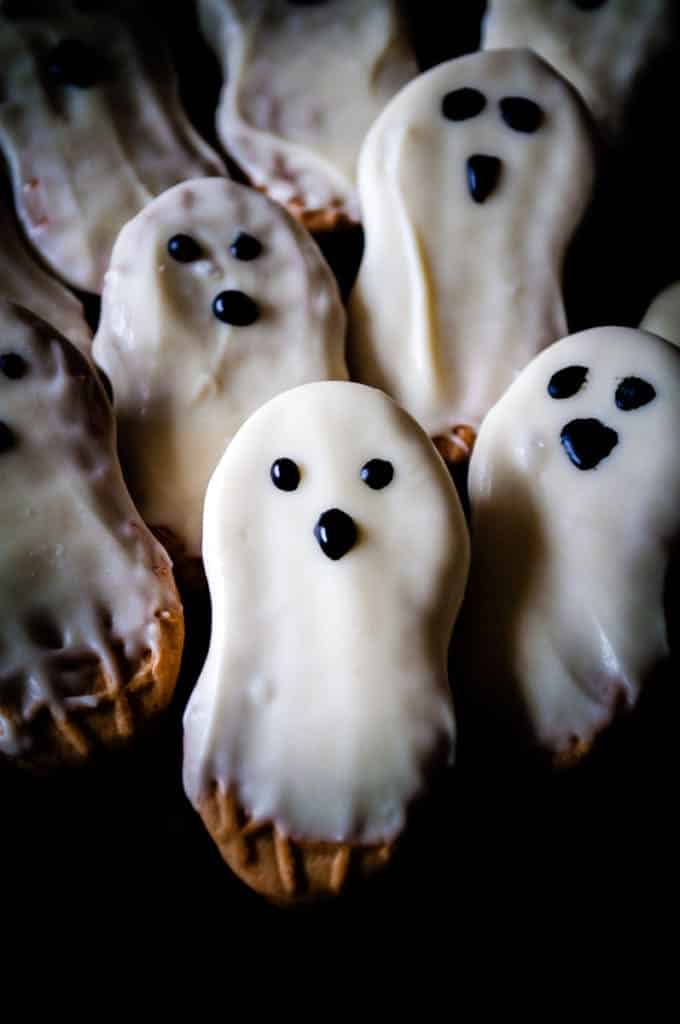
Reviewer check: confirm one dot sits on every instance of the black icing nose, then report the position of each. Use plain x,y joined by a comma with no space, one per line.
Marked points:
483,173
336,533
587,442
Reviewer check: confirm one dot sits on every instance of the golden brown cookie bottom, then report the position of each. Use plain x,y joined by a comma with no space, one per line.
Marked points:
576,752
455,447
330,218
284,870
71,735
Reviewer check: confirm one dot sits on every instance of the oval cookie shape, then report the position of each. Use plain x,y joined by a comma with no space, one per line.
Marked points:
324,702
575,501
101,97
472,182
92,628
195,337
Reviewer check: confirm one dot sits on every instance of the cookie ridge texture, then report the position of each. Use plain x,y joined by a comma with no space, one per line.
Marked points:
92,626
324,705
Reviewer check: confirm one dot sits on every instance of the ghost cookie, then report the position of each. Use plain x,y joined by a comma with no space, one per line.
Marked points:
91,629
216,301
600,46
472,183
337,554
24,281
91,129
663,315
304,82
575,493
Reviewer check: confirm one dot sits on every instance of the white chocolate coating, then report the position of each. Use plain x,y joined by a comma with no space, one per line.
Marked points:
83,161
84,584
184,381
454,297
303,85
564,616
663,315
22,280
601,51
325,697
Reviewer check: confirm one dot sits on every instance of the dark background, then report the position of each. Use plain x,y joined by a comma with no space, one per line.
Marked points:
110,866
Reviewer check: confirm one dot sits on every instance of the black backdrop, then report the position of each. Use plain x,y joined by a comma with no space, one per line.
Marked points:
110,866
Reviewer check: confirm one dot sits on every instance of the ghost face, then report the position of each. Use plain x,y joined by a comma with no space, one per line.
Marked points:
603,409
215,302
461,282
484,171
336,493
219,273
575,491
336,553
495,115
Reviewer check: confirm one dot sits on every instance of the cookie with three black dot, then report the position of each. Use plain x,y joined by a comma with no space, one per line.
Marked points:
575,495
473,182
216,300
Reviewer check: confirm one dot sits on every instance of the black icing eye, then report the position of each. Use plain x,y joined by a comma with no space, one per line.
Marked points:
377,473
235,308
71,62
520,114
13,365
462,104
285,474
633,392
7,438
245,247
567,382
184,249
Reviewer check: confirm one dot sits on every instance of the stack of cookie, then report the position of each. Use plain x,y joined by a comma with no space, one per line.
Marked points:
297,444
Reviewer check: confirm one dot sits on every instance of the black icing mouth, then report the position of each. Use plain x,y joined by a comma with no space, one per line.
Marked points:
483,174
588,442
336,533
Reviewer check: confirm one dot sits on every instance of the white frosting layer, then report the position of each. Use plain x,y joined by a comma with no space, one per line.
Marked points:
324,696
83,582
564,616
84,161
22,280
303,85
184,381
453,296
663,315
600,51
